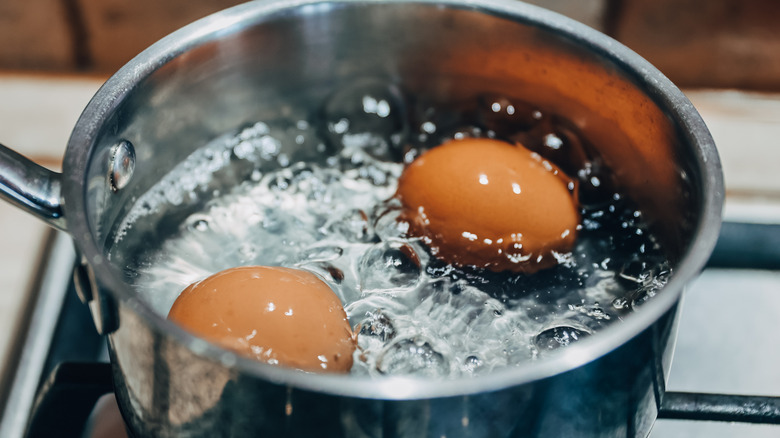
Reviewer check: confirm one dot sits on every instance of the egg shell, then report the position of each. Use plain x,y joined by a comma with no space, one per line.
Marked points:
490,204
276,315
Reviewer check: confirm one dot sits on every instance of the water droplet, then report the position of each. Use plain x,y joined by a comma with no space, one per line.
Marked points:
506,116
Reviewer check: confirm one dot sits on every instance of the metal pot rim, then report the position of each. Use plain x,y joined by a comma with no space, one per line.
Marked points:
663,92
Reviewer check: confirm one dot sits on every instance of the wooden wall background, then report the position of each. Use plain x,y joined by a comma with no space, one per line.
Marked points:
697,43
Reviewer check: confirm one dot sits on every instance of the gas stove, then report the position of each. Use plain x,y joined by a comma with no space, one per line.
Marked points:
723,382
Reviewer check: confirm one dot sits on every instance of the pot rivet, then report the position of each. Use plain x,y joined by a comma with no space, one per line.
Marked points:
121,165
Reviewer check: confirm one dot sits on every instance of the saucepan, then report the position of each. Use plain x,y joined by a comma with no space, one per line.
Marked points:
262,60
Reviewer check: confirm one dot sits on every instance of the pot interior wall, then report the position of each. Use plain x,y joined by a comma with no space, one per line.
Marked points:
286,64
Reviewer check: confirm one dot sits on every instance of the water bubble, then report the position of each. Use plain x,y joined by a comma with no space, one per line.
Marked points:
620,303
641,296
414,356
389,266
283,160
651,286
339,127
324,253
256,143
353,226
335,273
280,181
386,223
437,268
594,311
327,271
273,221
634,272
253,131
434,125
377,324
334,215
376,174
411,155
467,132
367,115
243,150
564,144
472,364
596,186
557,337
553,141
247,252
300,178
198,222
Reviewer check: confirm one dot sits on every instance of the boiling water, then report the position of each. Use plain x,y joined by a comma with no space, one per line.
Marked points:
335,216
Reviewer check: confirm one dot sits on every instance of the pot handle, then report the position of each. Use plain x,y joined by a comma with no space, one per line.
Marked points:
720,407
740,246
31,187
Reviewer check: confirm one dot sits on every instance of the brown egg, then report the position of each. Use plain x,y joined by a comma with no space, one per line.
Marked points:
489,204
276,315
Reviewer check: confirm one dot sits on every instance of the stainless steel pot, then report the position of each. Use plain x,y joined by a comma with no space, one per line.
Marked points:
258,59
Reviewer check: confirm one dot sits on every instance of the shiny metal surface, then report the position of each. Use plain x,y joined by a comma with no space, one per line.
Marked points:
22,392
251,61
172,392
31,187
725,320
261,59
121,166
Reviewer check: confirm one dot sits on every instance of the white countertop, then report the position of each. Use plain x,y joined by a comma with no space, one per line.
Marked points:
38,112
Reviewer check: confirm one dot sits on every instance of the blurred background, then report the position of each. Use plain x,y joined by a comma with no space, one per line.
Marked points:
724,54
697,43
